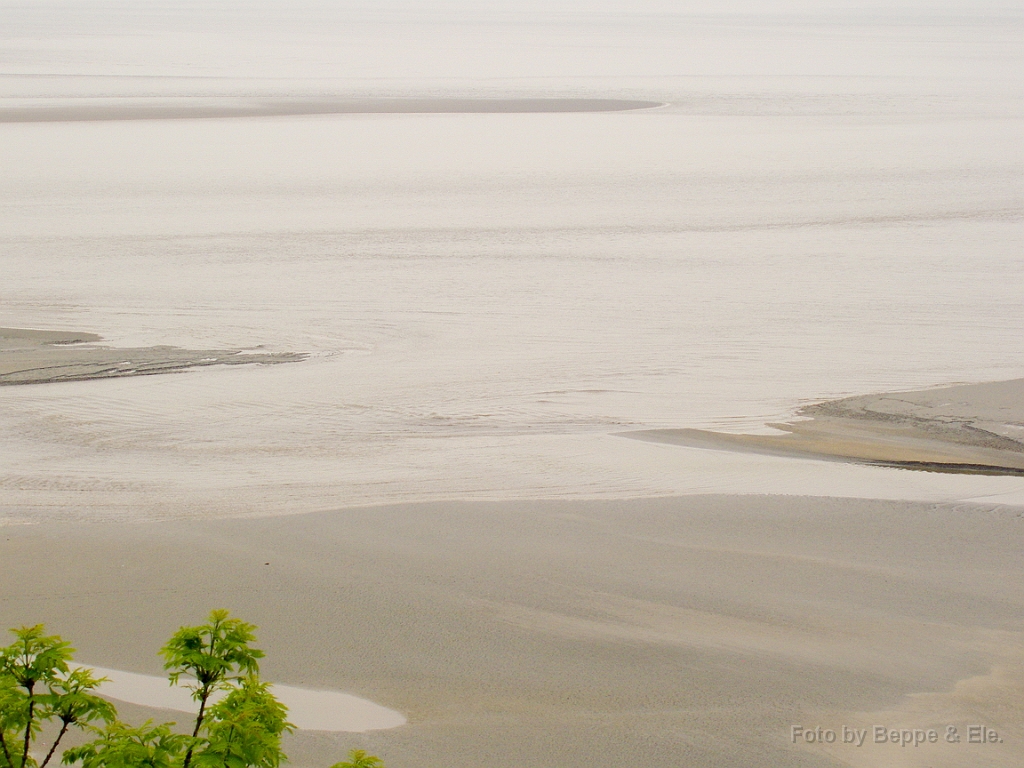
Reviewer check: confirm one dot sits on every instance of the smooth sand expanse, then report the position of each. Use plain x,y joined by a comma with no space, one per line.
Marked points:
967,428
668,632
189,108
40,357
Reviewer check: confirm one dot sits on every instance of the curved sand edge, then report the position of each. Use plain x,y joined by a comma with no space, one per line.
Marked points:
40,357
970,428
308,710
88,110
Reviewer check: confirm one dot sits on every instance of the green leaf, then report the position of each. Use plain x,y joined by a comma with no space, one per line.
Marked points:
122,746
244,729
357,758
32,661
34,657
214,653
70,699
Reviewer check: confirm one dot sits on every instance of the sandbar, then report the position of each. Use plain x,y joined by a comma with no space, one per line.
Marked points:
90,110
308,710
29,356
971,428
692,631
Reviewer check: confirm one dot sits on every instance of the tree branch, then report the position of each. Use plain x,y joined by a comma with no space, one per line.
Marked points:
30,686
63,730
7,752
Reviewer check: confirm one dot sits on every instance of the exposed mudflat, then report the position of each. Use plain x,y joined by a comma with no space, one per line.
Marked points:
39,357
966,428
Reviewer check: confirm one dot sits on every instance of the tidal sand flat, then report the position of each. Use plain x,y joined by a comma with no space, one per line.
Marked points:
496,265
668,632
967,428
39,357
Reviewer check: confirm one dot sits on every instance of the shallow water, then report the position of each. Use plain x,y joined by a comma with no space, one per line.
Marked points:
828,205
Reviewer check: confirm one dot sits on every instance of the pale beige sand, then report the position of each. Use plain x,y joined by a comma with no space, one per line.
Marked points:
666,633
39,357
308,709
186,108
966,428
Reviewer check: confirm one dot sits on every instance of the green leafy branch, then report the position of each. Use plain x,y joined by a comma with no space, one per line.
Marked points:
243,729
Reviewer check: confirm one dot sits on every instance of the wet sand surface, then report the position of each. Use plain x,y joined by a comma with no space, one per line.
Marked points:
88,110
974,428
587,634
39,357
828,203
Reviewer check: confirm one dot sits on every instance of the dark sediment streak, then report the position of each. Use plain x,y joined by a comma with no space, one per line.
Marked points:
164,109
44,357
